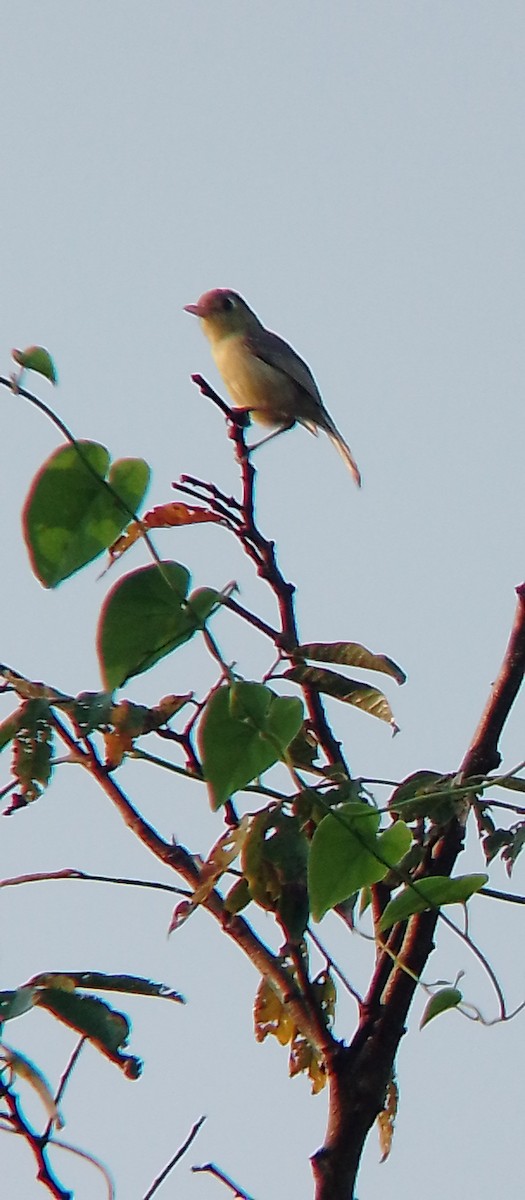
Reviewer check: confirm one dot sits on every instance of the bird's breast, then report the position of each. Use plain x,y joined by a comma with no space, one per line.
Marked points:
253,383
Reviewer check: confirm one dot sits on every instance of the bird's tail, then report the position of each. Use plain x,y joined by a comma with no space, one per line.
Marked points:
344,450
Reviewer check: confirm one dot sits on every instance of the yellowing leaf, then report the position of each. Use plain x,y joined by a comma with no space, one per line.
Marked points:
350,691
386,1119
22,1068
222,854
163,516
350,654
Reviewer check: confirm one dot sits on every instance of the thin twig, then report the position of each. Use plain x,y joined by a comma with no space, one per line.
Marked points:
238,1191
254,788
176,1158
495,895
65,1077
252,619
87,877
214,491
334,966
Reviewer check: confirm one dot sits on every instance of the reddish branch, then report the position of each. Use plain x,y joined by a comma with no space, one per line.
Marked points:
359,1073
36,1142
483,755
175,856
262,553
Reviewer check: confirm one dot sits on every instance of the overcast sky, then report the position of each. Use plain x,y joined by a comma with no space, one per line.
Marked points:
357,172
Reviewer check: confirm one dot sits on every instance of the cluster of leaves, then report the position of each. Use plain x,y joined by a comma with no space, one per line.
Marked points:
63,996
324,845
272,1017
297,859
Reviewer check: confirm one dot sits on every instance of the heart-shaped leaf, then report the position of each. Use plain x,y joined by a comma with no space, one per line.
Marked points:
346,854
245,729
73,512
145,616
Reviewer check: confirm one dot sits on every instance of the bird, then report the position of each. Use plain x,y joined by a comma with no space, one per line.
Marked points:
262,373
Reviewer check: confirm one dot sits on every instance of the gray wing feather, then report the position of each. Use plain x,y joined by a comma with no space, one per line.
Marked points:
272,349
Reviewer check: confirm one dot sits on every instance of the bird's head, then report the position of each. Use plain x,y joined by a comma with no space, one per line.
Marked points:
223,312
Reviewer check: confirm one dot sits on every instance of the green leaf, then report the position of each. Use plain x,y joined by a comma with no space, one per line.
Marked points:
244,730
238,896
394,843
89,710
130,985
350,691
495,841
418,796
514,782
36,358
14,1003
448,997
10,727
274,859
351,654
145,616
346,854
70,516
431,892
33,750
107,1029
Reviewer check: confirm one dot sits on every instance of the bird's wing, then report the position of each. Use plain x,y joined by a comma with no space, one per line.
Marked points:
272,349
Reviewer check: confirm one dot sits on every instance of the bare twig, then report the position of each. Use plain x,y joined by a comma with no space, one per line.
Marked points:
252,619
238,1191
87,877
495,895
66,1075
173,1161
334,966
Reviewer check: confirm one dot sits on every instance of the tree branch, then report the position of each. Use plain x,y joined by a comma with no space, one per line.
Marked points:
179,859
262,553
36,1143
359,1074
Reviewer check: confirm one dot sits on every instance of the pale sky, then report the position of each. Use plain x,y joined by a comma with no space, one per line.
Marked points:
357,172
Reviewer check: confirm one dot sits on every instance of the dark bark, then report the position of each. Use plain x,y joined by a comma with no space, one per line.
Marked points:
359,1073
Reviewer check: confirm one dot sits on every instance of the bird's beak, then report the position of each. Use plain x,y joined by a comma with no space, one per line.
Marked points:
193,308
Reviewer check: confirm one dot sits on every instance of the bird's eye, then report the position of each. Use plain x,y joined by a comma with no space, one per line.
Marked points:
228,303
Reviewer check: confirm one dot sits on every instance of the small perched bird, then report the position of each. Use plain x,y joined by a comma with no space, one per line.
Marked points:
263,374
